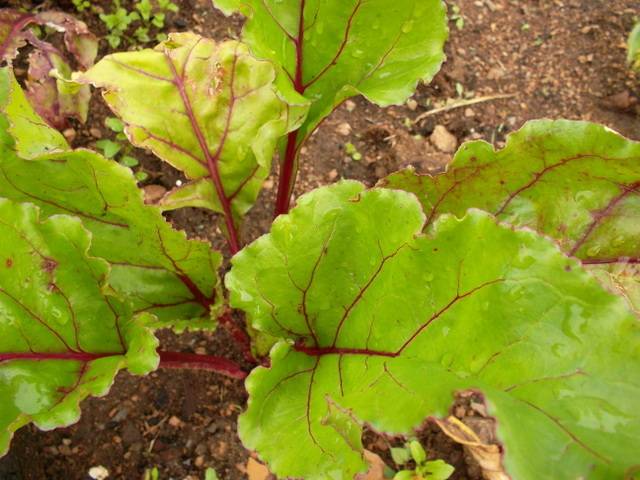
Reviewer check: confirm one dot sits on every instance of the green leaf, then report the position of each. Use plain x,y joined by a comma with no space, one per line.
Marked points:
404,475
142,34
141,175
155,267
210,474
400,456
330,50
114,124
62,337
40,138
386,324
226,129
145,8
129,161
576,182
109,148
437,470
158,20
633,56
417,452
114,40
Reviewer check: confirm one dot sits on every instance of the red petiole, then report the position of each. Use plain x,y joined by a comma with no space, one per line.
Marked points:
174,360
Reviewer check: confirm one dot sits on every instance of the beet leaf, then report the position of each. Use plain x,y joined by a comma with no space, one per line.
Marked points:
382,325
576,182
219,121
154,266
63,337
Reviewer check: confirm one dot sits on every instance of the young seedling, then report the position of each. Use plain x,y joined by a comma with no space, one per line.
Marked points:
457,17
81,5
424,470
351,150
117,23
147,16
119,148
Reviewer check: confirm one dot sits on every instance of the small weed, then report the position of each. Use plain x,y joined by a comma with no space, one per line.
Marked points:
352,151
424,470
457,17
119,148
146,16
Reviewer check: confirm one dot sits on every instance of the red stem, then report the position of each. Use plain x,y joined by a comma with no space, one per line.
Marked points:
289,170
287,175
239,335
167,360
195,361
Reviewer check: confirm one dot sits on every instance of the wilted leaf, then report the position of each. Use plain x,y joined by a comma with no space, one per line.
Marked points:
80,42
13,35
62,338
489,457
576,182
154,266
52,93
49,87
383,325
376,467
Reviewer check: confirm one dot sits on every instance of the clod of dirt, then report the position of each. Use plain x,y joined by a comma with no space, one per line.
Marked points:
443,140
256,470
344,129
153,193
412,104
622,101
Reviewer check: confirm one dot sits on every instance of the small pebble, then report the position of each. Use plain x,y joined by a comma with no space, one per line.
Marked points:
344,129
175,422
268,184
98,473
443,140
69,134
153,193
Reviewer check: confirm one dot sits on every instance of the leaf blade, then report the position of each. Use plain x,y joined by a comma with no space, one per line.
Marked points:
518,324
576,182
63,337
331,51
155,267
223,132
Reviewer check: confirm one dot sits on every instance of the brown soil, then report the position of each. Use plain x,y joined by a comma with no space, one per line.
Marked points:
560,59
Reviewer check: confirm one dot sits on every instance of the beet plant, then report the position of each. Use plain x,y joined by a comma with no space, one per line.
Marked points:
514,274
